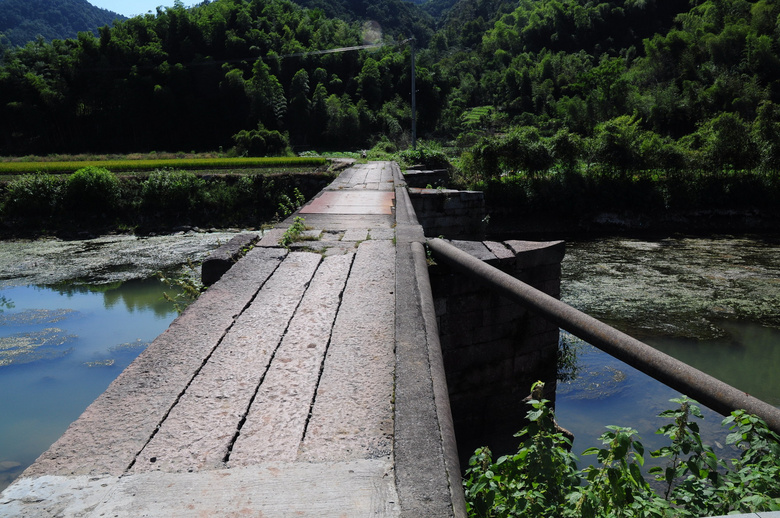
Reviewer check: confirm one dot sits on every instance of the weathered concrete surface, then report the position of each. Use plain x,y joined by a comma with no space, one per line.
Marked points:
426,456
277,489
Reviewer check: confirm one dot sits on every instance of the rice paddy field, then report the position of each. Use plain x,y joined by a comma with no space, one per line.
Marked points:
10,167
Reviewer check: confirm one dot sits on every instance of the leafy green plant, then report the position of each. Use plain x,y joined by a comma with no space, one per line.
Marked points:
293,232
288,205
171,191
260,142
617,487
186,287
428,154
533,482
542,479
706,485
92,189
35,196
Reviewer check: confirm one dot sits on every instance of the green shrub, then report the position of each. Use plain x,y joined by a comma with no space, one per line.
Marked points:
541,479
92,190
34,196
171,192
287,205
219,200
260,142
427,154
534,482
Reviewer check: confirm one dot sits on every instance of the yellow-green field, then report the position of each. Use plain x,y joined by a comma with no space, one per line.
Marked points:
126,165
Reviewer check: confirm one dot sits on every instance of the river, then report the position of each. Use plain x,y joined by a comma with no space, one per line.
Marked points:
711,302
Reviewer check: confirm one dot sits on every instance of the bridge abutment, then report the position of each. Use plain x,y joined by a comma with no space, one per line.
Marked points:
495,349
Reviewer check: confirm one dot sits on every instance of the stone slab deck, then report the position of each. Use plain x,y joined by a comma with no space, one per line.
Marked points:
274,394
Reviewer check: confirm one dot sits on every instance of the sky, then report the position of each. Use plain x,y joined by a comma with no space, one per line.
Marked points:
131,8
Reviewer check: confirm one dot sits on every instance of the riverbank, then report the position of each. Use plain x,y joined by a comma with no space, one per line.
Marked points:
634,223
160,202
596,204
101,260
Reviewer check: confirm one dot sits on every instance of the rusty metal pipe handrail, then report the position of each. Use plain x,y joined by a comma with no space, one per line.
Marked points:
707,390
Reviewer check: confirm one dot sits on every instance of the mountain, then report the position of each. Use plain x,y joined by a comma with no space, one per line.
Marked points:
24,20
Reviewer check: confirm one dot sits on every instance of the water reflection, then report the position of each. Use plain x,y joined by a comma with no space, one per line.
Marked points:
5,304
60,347
135,295
747,356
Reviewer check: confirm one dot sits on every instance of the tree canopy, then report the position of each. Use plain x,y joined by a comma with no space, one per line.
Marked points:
646,83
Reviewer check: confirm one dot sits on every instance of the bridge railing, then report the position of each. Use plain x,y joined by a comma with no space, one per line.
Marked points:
707,390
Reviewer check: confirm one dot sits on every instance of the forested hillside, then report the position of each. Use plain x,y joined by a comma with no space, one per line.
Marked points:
25,20
530,85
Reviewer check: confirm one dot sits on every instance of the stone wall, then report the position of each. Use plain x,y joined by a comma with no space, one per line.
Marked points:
450,213
427,177
493,348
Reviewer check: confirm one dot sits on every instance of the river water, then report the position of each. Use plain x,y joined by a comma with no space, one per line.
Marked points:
73,315
711,302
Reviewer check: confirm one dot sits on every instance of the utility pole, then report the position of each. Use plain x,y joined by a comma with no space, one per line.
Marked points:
414,99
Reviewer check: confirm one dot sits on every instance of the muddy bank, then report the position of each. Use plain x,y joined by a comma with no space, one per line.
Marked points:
105,259
681,286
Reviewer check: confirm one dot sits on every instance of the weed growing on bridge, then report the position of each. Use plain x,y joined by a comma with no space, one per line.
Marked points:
293,233
186,287
542,479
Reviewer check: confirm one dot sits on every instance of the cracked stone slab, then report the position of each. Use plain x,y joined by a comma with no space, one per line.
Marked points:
356,234
114,428
324,490
381,233
276,421
375,175
311,234
271,237
201,427
352,417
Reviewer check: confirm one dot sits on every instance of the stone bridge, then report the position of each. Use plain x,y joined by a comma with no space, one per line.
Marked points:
309,380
